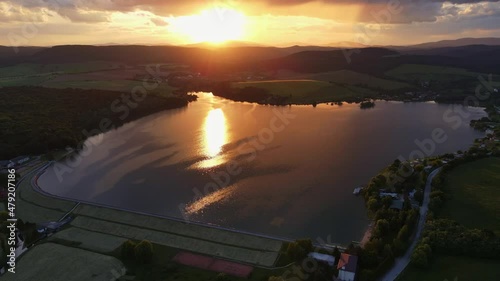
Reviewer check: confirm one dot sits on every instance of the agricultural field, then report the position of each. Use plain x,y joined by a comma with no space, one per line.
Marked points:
107,85
194,244
411,72
474,193
355,78
164,268
25,80
39,69
93,75
180,228
295,88
453,268
302,91
55,262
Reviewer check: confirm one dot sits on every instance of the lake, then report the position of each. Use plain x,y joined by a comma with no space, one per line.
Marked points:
284,171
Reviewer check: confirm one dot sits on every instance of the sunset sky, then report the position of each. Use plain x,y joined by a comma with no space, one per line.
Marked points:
267,22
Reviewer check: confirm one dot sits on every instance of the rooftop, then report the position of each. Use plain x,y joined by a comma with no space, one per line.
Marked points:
348,263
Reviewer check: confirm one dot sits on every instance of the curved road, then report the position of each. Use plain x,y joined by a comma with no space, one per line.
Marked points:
402,262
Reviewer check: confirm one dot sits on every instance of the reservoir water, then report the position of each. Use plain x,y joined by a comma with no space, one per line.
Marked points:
285,171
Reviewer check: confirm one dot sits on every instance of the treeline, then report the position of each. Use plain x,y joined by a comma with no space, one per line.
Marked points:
392,230
36,120
247,94
449,237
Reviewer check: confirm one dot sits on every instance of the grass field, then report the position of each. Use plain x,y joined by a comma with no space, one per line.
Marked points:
164,269
55,262
410,72
200,242
295,88
25,80
163,89
355,78
454,269
29,69
308,91
474,190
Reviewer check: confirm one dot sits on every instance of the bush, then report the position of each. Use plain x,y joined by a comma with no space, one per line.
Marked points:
419,259
366,275
299,249
144,252
222,277
422,255
128,249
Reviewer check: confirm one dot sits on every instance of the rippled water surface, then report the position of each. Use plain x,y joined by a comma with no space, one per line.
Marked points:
286,171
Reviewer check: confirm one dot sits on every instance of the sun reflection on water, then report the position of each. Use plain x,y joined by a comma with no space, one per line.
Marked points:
215,136
215,132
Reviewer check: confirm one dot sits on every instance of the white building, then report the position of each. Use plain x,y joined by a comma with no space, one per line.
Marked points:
18,161
347,267
330,260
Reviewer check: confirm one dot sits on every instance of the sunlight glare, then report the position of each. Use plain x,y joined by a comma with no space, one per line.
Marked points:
215,132
215,25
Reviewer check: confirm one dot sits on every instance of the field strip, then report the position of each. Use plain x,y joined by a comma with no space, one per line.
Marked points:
258,257
240,240
92,241
35,207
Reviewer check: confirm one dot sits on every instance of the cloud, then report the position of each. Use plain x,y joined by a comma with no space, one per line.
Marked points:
158,21
411,10
76,15
10,13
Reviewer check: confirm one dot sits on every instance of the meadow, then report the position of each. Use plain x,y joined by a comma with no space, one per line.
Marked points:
302,91
474,193
411,72
453,268
347,77
78,264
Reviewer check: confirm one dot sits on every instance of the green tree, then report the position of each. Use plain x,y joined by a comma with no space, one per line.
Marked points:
419,258
404,233
435,204
299,249
387,201
373,204
382,228
275,278
367,275
387,252
144,252
127,250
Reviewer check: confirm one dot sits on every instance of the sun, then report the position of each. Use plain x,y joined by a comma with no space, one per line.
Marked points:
216,25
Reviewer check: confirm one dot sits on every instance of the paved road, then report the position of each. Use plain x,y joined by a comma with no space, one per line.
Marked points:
402,262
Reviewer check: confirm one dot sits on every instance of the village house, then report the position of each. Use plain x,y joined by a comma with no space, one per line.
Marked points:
347,267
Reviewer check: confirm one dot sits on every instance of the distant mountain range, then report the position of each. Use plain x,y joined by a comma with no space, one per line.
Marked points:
458,43
479,54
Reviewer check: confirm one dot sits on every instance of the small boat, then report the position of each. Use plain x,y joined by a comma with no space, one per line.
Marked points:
357,190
